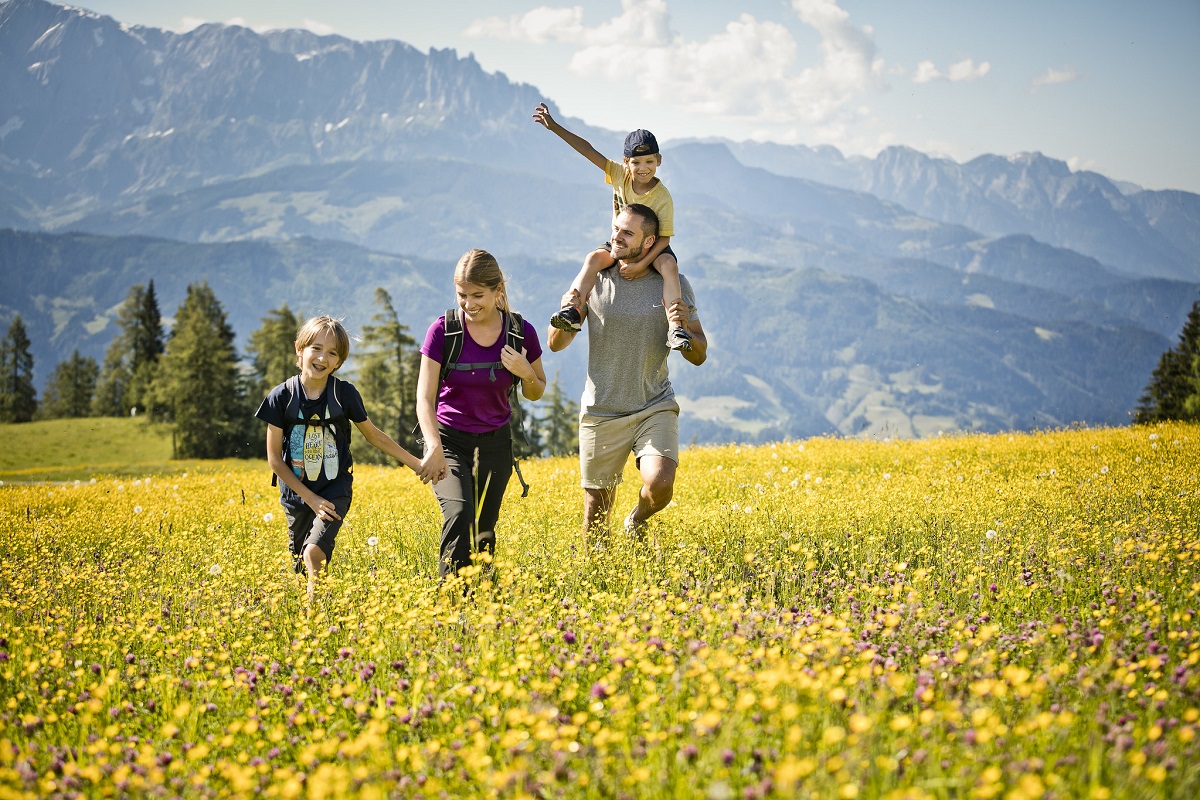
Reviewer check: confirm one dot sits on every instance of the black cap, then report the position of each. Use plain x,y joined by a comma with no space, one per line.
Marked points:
640,143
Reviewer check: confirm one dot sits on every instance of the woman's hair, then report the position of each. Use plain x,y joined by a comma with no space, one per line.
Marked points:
314,327
481,268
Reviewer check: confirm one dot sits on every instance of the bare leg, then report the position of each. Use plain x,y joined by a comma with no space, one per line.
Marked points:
677,337
585,281
314,563
658,486
597,512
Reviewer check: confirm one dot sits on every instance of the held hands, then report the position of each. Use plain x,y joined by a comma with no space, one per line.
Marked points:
433,465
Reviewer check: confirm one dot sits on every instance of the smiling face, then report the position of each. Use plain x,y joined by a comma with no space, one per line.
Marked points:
629,239
319,358
642,168
478,303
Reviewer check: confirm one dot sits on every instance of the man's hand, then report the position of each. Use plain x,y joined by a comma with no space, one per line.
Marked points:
573,298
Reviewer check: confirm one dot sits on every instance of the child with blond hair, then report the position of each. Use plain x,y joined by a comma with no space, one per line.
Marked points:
633,181
308,420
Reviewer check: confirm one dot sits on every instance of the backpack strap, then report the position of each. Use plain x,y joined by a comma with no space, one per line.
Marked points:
452,348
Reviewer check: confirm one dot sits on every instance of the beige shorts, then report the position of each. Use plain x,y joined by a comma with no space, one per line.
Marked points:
606,442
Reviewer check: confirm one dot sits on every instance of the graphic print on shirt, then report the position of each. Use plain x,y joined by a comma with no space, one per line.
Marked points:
296,450
331,450
314,449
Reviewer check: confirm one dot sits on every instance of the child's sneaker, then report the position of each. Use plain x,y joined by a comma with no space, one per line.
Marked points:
679,339
567,319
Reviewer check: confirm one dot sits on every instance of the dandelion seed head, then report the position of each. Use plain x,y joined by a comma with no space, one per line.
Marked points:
268,517
137,509
215,569
372,541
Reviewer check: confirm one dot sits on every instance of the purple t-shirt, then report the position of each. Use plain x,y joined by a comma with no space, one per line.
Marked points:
475,401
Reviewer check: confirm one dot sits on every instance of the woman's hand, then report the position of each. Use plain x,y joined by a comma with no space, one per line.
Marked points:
433,466
517,363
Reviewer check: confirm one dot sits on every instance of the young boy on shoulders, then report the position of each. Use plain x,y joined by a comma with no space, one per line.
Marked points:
633,181
308,420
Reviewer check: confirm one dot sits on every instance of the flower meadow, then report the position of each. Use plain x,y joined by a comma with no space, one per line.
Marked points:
1007,616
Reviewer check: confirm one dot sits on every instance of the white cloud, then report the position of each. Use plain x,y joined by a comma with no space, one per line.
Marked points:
318,27
1052,76
189,24
926,72
539,26
750,70
965,70
968,70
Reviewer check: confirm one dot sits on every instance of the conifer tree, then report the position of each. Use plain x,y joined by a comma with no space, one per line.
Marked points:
18,397
558,428
145,343
272,350
385,372
132,358
197,383
71,389
1174,388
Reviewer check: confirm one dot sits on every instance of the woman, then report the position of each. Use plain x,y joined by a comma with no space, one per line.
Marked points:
464,417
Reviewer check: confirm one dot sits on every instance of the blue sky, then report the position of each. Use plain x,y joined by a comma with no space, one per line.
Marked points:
1106,85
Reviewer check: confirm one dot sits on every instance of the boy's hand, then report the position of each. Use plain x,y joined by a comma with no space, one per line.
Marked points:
324,509
541,115
433,466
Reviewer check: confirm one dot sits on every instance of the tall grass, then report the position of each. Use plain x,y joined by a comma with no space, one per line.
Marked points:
992,616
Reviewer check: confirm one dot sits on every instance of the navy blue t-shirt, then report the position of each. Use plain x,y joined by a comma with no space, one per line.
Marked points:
273,411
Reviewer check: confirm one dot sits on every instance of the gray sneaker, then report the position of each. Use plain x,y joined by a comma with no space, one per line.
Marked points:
679,339
567,319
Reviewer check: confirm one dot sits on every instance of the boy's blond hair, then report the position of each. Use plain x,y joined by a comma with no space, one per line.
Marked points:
314,327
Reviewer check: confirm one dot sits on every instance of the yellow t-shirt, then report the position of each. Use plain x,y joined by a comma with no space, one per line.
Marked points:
658,198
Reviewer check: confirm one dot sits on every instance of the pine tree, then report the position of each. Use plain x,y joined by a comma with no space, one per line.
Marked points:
18,398
112,385
386,375
71,389
197,385
1174,388
272,349
127,377
559,427
145,345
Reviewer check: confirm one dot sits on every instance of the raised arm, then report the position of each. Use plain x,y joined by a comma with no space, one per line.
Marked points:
541,115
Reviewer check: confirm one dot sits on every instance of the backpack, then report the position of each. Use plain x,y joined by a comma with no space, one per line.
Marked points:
318,451
514,337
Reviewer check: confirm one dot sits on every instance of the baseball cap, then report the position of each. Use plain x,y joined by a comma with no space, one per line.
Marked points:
640,143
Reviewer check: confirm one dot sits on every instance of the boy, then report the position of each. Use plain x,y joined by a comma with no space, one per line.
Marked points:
308,443
633,181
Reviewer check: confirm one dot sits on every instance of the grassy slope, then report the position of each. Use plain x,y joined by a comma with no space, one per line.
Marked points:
77,449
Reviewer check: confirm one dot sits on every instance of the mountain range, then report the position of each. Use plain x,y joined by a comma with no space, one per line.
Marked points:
902,295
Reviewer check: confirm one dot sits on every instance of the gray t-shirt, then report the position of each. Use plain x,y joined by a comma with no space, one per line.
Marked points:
627,344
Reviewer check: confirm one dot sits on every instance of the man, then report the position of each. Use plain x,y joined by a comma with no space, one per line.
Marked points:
628,404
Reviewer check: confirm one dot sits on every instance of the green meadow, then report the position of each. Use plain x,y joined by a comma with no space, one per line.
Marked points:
1006,616
78,449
